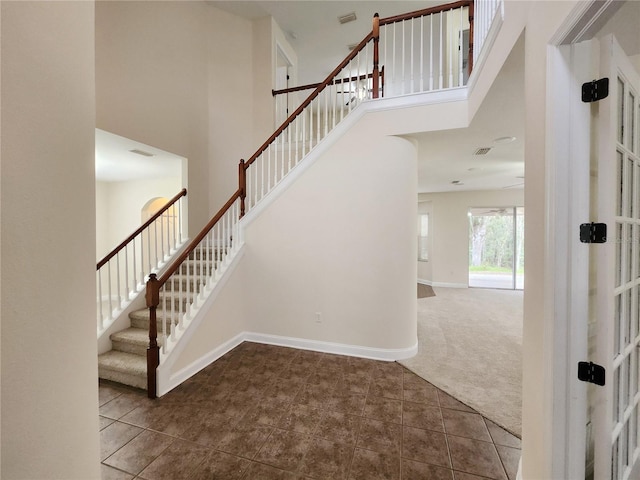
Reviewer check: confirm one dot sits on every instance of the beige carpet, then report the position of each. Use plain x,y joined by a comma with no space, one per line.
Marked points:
470,345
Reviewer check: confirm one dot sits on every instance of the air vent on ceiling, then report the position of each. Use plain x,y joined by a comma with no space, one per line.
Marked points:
349,17
141,152
482,151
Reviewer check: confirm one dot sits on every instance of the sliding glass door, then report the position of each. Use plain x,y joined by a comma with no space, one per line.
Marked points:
496,247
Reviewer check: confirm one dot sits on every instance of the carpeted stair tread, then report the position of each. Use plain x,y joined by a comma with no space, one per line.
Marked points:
131,335
122,367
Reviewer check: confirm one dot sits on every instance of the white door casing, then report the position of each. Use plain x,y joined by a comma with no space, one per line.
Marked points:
618,269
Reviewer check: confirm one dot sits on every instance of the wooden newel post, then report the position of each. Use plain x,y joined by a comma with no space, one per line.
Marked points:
242,175
152,297
376,55
471,13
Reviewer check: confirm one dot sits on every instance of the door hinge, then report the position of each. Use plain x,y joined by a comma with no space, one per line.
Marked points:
595,90
593,232
591,372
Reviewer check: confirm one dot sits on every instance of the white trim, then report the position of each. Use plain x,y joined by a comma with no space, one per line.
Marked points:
487,47
164,378
167,383
568,187
384,354
425,282
449,285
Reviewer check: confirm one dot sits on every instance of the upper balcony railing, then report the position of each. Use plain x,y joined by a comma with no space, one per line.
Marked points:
422,51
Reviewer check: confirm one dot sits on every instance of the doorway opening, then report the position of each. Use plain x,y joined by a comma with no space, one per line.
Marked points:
496,247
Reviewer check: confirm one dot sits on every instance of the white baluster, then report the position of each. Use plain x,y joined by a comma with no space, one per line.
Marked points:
118,280
155,241
282,147
109,292
304,132
318,108
404,60
289,130
422,53
450,47
101,316
431,53
126,272
393,63
460,35
413,22
441,86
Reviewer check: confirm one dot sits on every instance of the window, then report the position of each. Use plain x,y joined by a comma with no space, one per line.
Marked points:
423,237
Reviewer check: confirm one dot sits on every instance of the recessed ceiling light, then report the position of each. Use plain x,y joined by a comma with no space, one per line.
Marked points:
457,183
349,17
504,140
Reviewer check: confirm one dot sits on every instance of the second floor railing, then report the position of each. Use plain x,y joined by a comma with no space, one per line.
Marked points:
123,272
430,49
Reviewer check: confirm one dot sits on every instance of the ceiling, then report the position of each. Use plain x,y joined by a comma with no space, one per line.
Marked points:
115,162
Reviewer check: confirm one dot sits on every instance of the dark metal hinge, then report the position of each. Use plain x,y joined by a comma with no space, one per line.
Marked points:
595,90
591,372
593,232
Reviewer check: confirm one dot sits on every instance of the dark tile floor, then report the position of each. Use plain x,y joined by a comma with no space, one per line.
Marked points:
263,412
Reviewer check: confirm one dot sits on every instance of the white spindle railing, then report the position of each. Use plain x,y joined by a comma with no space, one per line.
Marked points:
184,291
419,52
122,274
426,53
349,87
485,12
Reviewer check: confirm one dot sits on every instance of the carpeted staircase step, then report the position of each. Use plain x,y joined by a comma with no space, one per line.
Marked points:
140,319
132,340
122,367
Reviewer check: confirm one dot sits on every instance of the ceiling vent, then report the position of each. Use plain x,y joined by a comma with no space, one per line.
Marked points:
349,17
141,152
482,151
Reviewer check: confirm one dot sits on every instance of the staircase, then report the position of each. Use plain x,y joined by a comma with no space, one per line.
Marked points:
126,362
177,294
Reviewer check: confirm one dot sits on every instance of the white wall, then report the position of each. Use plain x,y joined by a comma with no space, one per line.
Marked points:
49,369
333,244
449,230
119,206
425,274
231,102
177,75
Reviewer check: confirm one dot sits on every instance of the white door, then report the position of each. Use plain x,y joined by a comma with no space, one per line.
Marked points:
615,405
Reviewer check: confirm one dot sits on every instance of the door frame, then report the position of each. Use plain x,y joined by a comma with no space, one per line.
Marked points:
568,188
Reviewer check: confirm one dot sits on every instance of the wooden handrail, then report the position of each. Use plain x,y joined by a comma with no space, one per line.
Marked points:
315,85
126,241
426,11
154,284
309,99
194,243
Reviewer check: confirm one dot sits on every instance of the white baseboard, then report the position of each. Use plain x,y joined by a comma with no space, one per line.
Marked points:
166,383
449,285
424,282
384,354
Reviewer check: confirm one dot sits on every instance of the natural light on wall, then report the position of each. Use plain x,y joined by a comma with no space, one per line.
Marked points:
423,236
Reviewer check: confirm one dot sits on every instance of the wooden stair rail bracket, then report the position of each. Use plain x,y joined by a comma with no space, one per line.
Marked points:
376,55
152,297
